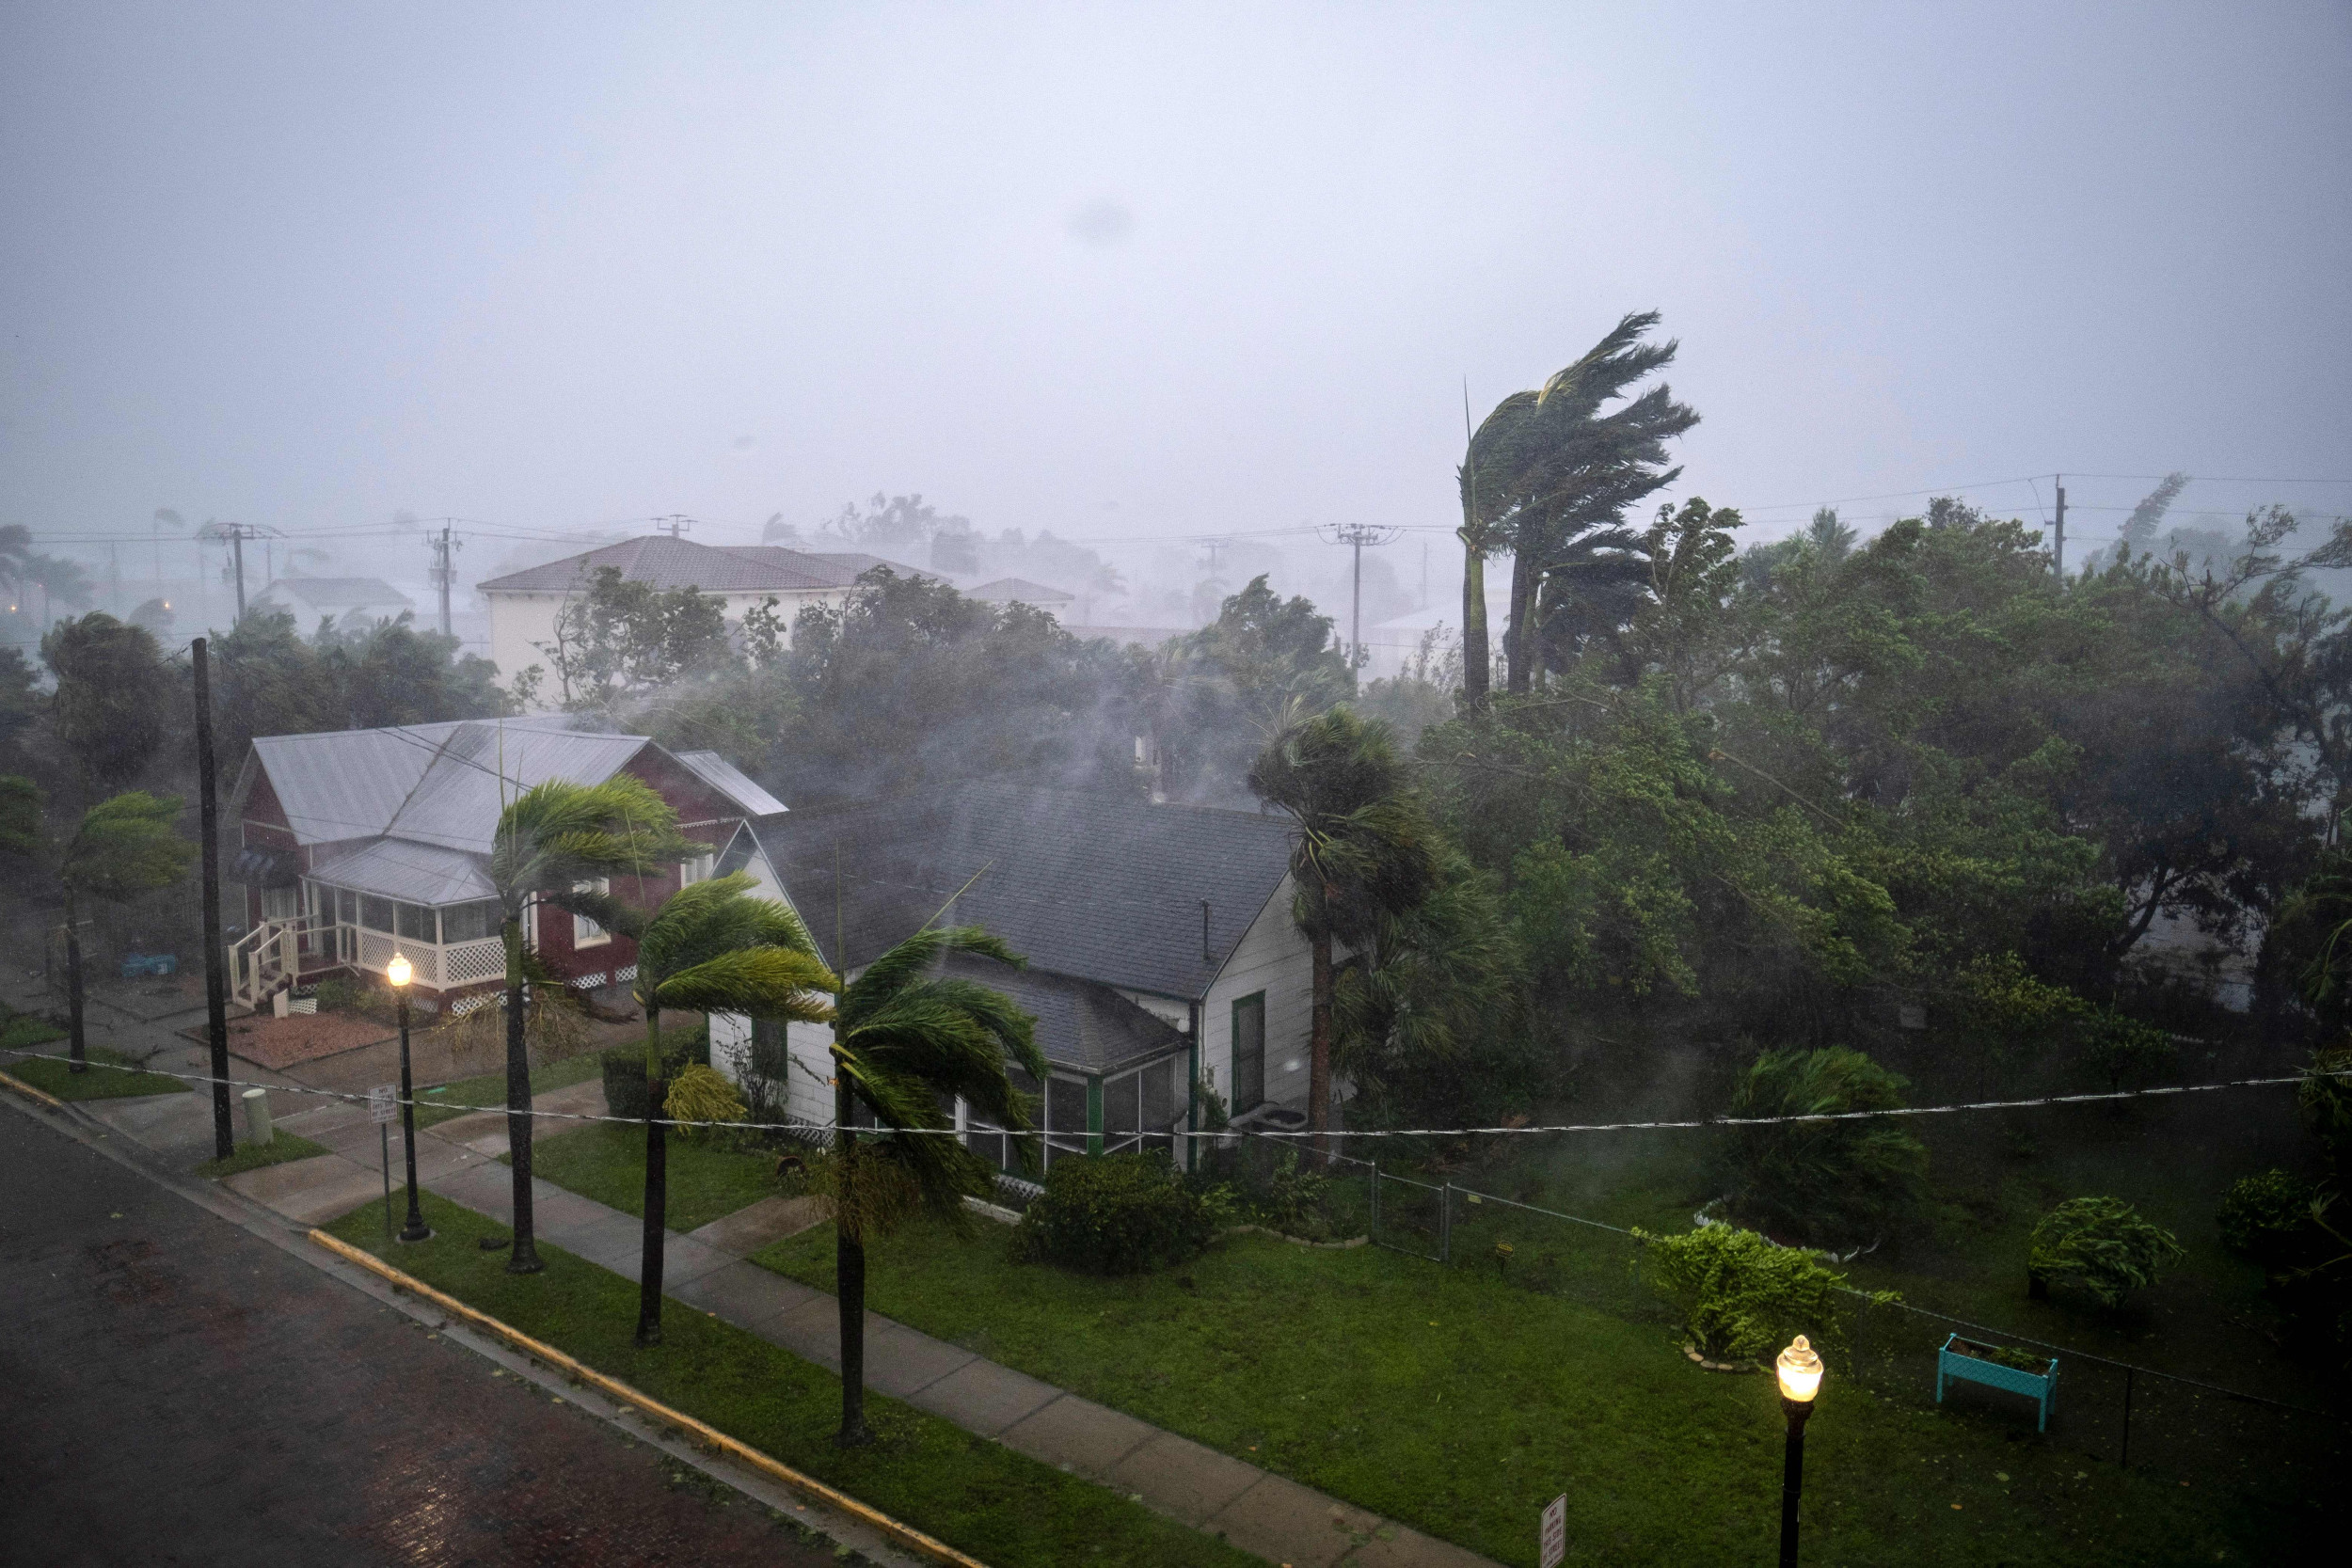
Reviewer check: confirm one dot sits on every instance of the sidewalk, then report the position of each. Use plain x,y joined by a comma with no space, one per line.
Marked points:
1252,1509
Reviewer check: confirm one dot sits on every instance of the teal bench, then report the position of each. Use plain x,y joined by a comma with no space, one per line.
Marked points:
2041,1388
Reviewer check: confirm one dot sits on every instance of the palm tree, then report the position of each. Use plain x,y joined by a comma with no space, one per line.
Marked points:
552,839
123,847
1363,849
906,1037
1548,467
712,947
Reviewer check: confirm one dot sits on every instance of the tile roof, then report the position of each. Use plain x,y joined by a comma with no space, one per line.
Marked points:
1098,887
667,563
1008,590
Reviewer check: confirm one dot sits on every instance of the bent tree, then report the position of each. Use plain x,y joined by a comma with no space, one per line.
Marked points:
121,849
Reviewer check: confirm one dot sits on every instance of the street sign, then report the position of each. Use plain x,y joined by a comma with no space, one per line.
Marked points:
1556,1531
384,1103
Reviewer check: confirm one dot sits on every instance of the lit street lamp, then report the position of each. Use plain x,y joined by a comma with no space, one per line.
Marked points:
1799,1372
400,972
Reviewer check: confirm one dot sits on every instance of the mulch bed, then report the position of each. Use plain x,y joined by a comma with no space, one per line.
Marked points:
279,1043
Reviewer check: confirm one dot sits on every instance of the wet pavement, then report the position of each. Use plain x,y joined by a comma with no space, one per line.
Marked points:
175,1390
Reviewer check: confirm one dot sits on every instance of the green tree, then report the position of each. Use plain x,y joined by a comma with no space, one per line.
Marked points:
123,848
625,636
1828,1181
1363,848
2102,1245
552,842
114,699
712,947
907,1040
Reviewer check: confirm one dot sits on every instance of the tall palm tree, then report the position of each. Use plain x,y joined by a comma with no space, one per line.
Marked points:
906,1037
712,947
1547,468
1363,848
552,838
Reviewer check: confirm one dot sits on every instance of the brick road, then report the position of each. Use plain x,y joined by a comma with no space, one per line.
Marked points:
175,1390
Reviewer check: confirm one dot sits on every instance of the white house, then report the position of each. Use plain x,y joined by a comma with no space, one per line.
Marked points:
523,605
345,601
1163,963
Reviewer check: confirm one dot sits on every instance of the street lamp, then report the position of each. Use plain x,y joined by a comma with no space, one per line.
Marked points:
400,972
1799,1372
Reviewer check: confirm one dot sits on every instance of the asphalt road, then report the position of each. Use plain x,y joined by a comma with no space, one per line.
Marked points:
175,1390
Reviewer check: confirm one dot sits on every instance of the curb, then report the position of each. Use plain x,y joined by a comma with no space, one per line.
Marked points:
905,1535
31,1093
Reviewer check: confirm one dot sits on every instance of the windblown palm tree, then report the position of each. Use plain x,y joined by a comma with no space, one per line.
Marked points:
1363,849
906,1037
552,839
1547,468
712,947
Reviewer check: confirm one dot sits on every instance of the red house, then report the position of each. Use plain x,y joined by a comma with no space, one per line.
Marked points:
357,844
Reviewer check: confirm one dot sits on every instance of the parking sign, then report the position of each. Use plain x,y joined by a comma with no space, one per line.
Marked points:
384,1103
1556,1531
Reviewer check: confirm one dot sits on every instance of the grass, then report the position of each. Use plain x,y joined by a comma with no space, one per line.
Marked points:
606,1160
490,1088
111,1082
968,1491
1462,1405
282,1146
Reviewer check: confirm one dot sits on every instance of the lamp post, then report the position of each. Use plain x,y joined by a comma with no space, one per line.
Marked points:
1799,1372
400,972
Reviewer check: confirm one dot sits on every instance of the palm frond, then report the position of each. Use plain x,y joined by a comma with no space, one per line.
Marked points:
759,982
914,957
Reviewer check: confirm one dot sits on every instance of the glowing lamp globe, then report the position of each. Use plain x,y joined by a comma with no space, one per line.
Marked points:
400,972
1800,1371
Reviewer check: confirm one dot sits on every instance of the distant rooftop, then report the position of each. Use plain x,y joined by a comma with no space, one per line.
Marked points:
336,593
665,562
1021,590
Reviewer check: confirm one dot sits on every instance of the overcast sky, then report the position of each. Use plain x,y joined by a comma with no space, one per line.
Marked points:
1122,271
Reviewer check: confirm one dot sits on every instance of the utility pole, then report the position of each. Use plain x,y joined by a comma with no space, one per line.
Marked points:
444,569
1358,535
2061,481
236,534
677,523
208,817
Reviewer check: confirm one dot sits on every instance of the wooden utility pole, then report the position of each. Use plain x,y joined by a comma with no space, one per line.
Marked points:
1358,535
215,996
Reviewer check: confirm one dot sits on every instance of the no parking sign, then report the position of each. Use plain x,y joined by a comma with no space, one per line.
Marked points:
1556,1531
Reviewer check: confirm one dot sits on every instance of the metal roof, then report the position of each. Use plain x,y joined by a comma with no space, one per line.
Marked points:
412,873
1019,590
338,593
665,562
731,782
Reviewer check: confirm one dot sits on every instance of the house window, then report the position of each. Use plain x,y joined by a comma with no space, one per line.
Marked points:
1066,1129
1138,1108
280,903
1249,1053
471,922
586,932
698,869
376,914
416,922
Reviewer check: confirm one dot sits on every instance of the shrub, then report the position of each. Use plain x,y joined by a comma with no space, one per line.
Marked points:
625,1068
1825,1181
338,995
1119,1214
703,1094
2124,1053
2102,1245
2268,1217
1740,1297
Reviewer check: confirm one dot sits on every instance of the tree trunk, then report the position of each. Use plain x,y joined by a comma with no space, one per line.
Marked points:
1319,1047
848,1264
657,1185
525,1256
1518,644
77,1047
1473,629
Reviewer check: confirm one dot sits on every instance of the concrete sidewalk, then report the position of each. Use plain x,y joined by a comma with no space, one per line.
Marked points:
1248,1507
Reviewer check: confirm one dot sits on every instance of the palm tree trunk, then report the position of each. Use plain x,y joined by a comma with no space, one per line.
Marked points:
525,1256
657,1186
1519,642
1474,628
1319,1048
77,1047
848,1264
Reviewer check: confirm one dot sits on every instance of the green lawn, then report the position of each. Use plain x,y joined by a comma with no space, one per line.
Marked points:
1462,1405
490,1088
282,1146
974,1494
59,1079
606,1160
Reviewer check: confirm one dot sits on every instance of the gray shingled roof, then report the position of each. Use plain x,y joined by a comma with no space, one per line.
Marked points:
1080,1024
1098,887
666,562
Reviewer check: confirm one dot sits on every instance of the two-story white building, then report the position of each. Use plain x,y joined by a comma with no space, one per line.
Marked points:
524,605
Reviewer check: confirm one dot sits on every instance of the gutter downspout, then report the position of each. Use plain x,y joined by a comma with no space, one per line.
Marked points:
1192,1091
